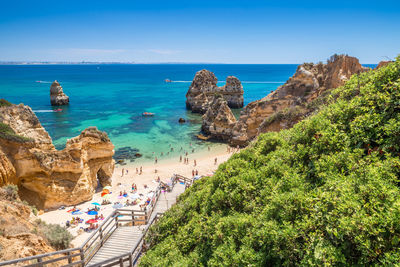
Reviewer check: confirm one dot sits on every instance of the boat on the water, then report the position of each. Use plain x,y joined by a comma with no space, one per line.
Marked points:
58,110
168,81
148,114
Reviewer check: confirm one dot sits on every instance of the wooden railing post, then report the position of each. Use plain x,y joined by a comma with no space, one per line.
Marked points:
40,262
101,235
121,262
82,256
133,218
69,257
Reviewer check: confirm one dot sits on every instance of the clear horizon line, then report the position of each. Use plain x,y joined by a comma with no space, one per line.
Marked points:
11,62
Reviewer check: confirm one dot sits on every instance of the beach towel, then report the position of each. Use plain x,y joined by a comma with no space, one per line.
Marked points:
77,212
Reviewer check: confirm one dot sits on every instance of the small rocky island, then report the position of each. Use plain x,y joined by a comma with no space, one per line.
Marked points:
204,87
47,177
57,95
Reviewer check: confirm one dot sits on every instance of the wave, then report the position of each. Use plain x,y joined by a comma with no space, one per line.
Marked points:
43,110
43,82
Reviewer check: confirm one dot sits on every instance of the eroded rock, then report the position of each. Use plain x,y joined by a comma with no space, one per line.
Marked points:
57,95
204,87
46,177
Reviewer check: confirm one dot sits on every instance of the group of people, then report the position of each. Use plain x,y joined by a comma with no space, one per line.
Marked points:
195,173
74,221
230,149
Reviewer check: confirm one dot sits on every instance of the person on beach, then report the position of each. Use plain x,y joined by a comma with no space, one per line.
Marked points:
197,172
186,154
155,170
137,171
158,179
155,160
215,161
162,153
141,171
126,171
192,173
172,149
208,148
123,170
193,150
194,163
180,158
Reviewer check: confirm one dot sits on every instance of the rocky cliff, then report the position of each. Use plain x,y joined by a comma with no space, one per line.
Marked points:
57,95
204,87
17,237
218,120
285,106
46,177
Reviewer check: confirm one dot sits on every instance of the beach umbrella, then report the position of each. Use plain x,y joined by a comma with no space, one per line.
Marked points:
107,187
107,197
77,212
92,212
117,206
96,204
104,193
91,221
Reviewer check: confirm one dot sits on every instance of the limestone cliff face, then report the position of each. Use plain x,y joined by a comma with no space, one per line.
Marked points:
285,106
45,176
204,87
309,82
17,239
57,96
218,120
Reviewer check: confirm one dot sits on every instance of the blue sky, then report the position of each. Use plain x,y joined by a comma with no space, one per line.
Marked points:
198,31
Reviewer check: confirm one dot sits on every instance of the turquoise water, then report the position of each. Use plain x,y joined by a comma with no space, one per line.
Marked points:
113,97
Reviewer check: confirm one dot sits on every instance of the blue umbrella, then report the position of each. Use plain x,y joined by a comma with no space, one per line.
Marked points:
92,212
96,204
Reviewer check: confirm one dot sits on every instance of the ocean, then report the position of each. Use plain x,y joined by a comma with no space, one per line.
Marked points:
113,97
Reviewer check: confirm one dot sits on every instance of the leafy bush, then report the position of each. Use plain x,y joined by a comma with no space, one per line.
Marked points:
58,236
325,192
4,103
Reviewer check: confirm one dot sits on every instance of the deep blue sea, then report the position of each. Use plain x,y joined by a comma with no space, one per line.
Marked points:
113,97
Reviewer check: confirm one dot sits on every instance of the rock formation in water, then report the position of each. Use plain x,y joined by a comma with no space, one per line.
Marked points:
46,177
57,96
285,106
218,120
204,87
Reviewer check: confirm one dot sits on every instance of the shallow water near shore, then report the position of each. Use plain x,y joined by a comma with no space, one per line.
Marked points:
113,97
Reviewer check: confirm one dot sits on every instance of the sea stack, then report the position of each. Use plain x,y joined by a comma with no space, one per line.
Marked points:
204,87
57,96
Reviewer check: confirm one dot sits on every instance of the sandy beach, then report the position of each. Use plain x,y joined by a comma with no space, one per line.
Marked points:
166,168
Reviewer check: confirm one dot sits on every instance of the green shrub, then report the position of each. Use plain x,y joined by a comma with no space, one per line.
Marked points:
325,192
11,192
6,132
58,236
4,103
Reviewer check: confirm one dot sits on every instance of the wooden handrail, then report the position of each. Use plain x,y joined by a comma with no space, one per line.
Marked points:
89,247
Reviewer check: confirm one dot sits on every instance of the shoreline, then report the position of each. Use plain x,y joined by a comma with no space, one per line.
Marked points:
166,168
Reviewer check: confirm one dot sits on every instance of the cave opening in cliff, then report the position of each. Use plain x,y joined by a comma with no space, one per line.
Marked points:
102,178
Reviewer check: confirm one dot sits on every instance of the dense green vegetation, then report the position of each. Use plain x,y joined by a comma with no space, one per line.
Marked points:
325,192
